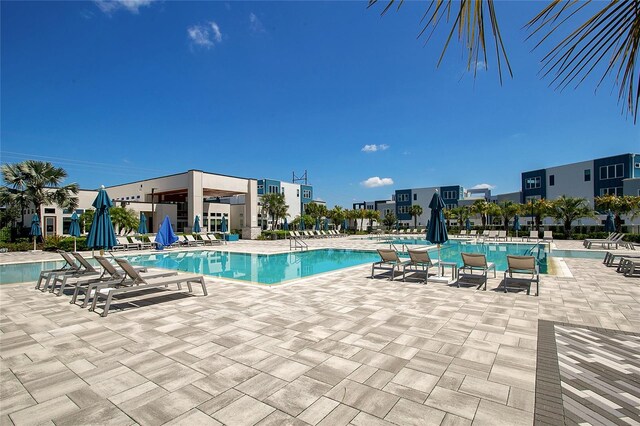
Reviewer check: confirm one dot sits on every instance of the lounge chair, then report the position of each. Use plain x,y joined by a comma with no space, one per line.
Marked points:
502,235
610,258
462,234
475,262
90,273
70,267
533,235
114,277
124,244
522,265
615,240
389,261
548,236
609,237
629,266
190,241
84,270
473,233
141,283
214,240
419,261
143,245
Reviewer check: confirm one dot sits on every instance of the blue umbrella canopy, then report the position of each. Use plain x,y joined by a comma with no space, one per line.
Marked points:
223,225
609,226
467,224
74,227
516,223
326,224
302,224
345,225
437,230
142,227
196,224
35,226
101,235
166,236
317,224
285,226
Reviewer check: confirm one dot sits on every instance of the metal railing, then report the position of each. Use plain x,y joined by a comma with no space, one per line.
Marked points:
296,243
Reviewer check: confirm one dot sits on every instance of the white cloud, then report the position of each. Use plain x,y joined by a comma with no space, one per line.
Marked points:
483,186
375,181
205,35
374,148
111,6
255,24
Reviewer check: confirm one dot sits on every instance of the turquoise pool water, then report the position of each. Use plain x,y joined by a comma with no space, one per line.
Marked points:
25,272
582,254
260,268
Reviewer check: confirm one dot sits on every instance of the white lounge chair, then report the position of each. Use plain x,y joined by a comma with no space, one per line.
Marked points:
547,236
192,241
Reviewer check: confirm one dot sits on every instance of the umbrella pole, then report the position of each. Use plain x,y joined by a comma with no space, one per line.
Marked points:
74,244
34,243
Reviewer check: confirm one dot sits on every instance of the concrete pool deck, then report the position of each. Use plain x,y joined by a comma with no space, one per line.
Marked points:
333,349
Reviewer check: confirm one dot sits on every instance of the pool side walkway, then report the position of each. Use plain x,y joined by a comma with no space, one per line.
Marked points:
334,349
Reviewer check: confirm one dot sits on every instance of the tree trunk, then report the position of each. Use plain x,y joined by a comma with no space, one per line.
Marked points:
567,228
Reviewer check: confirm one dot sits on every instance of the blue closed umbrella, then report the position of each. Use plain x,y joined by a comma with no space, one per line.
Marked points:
142,227
101,235
516,224
223,225
302,224
326,224
609,226
196,224
345,225
166,236
74,229
467,224
317,224
35,231
437,230
285,226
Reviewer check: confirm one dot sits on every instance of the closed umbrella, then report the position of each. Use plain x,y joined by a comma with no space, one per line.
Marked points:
467,224
317,224
345,225
516,224
142,227
302,224
196,225
223,225
101,235
74,229
165,236
285,226
609,226
35,231
437,230
326,224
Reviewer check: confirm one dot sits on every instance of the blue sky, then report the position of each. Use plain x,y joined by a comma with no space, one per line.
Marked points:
122,91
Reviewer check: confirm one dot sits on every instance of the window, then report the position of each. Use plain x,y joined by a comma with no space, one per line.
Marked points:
415,197
50,211
532,183
587,175
449,195
552,180
306,193
612,171
298,192
611,191
273,189
403,197
403,209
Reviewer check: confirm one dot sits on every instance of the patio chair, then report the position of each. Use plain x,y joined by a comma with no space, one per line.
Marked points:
192,241
629,267
389,261
141,283
90,274
113,277
615,240
522,265
84,270
473,233
547,236
462,233
475,262
419,261
214,240
124,244
143,245
69,267
502,235
609,237
533,235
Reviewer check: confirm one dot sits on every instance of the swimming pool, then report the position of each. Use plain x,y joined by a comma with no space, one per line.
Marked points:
258,268
581,254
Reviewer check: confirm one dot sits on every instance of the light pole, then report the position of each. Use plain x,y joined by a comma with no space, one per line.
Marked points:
152,222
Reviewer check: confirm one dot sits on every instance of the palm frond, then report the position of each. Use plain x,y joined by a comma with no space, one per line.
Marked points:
613,32
468,19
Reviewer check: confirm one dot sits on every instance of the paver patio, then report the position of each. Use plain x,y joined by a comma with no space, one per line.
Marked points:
334,349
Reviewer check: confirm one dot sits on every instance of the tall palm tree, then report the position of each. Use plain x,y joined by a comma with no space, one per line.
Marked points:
569,209
601,36
337,215
389,220
362,214
618,205
481,207
415,211
38,183
540,209
508,209
124,219
274,205
372,215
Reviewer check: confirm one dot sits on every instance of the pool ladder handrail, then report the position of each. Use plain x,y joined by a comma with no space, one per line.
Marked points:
530,252
296,243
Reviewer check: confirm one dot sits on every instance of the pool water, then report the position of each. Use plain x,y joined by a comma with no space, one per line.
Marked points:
25,272
582,254
258,268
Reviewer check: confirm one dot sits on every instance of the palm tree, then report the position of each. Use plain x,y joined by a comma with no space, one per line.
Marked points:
448,215
389,220
274,204
38,183
568,209
494,211
540,209
610,36
481,207
337,215
415,211
124,219
508,209
618,205
362,214
372,215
